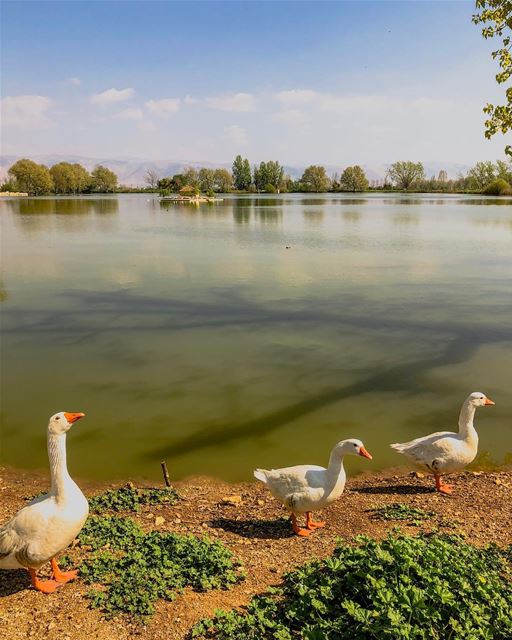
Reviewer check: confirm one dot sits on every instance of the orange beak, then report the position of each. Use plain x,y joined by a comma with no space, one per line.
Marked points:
489,401
363,452
73,417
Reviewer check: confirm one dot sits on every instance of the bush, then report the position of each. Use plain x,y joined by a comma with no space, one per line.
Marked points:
132,569
427,587
269,188
498,187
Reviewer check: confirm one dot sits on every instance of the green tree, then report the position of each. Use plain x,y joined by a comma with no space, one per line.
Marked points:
405,173
63,177
206,179
82,178
481,175
504,170
241,174
103,180
223,180
315,179
30,177
496,18
354,179
268,176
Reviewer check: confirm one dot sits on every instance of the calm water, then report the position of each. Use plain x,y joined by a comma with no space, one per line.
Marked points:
193,333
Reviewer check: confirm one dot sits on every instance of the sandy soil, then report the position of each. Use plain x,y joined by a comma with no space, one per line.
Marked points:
256,530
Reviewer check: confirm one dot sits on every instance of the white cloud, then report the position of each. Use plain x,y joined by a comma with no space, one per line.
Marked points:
163,108
73,81
132,113
236,134
111,96
295,96
291,117
147,125
27,112
233,102
190,100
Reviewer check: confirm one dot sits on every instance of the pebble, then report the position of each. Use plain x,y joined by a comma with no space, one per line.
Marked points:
159,521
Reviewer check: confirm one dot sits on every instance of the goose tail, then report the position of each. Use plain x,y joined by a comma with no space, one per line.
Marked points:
261,474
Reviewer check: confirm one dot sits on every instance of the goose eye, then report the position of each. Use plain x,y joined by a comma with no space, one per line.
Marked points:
57,418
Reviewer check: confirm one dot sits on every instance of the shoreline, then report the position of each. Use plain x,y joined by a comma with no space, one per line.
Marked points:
254,526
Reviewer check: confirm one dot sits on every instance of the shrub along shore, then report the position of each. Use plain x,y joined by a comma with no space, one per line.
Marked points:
161,563
26,176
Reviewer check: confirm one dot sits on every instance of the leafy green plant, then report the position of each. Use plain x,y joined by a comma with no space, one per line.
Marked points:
400,511
422,588
132,569
129,498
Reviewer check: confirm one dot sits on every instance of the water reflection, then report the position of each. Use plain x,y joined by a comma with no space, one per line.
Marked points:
195,325
63,206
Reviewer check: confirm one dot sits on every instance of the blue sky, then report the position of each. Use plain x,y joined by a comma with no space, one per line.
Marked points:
302,82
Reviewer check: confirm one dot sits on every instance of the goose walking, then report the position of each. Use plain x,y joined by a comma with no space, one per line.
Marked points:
307,488
48,524
445,452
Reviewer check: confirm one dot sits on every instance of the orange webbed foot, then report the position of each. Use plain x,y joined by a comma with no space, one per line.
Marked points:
445,488
62,576
45,586
317,525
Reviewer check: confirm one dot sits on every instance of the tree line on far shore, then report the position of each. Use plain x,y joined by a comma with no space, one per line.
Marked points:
26,176
268,177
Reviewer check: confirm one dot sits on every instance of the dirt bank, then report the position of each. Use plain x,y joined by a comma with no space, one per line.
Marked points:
254,528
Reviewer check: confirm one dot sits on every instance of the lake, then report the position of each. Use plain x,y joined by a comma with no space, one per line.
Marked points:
257,331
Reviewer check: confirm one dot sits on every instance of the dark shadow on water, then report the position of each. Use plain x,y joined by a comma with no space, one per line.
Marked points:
13,582
395,489
263,529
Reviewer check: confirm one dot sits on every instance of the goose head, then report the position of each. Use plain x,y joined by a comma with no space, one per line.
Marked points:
61,422
351,447
478,399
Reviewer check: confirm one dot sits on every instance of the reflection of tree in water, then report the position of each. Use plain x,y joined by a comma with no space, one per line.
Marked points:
351,216
314,217
404,219
64,206
269,214
242,210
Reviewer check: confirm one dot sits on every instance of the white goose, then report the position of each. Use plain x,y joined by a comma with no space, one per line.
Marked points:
444,451
307,487
47,525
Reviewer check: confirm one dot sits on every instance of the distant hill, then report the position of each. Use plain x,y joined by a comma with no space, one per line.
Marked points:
131,171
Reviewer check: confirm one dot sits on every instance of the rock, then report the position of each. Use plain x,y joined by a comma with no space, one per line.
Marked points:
261,503
417,474
232,500
159,521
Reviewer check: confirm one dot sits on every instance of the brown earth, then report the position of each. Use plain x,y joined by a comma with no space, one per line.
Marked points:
255,529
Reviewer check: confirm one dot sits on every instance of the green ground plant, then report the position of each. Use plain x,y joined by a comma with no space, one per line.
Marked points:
131,569
401,511
130,498
431,587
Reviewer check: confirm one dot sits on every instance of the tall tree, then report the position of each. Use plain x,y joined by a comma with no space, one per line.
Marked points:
315,179
481,175
30,177
206,179
151,178
103,180
191,177
405,173
82,178
241,174
354,179
223,180
496,18
63,176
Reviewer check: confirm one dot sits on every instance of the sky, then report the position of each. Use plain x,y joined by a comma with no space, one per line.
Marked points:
316,82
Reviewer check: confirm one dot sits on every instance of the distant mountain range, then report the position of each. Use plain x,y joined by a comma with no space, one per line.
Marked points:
131,171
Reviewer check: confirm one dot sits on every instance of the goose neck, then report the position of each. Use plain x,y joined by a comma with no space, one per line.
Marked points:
467,414
58,466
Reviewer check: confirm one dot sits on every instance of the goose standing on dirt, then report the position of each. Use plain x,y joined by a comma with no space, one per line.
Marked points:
47,525
306,488
444,451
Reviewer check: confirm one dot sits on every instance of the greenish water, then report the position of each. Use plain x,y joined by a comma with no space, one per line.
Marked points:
192,333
